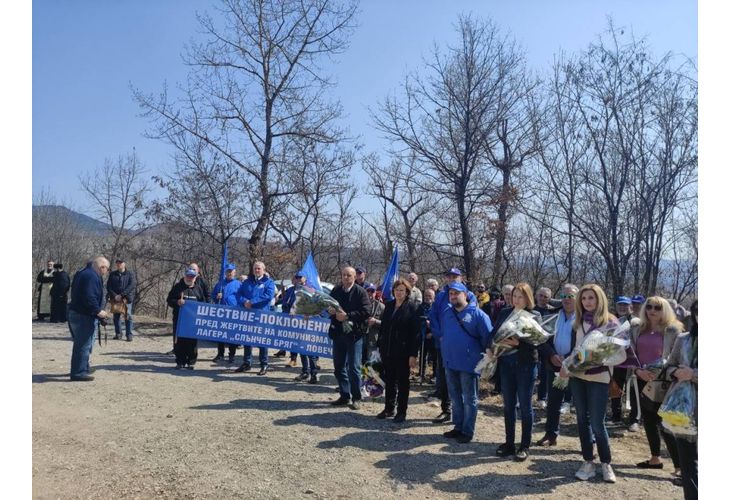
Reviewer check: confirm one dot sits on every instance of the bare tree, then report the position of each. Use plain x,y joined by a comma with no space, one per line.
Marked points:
256,83
117,193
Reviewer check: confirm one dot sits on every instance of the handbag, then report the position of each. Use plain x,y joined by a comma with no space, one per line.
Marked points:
656,389
119,307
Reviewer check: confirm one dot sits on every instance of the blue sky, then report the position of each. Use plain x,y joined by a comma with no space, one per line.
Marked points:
86,53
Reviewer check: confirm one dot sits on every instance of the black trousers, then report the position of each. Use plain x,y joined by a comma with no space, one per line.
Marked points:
620,375
441,388
397,381
687,452
186,351
231,349
655,431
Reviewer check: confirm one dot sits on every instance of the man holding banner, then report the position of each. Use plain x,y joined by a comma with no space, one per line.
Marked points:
256,292
187,289
346,331
225,292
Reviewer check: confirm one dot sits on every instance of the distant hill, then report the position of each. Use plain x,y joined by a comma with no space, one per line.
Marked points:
60,212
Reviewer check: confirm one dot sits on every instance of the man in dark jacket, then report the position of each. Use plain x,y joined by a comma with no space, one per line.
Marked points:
59,294
120,290
186,349
86,308
347,329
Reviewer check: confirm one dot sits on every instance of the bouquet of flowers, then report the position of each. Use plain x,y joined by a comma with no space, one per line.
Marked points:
679,410
521,325
655,366
605,346
311,302
371,385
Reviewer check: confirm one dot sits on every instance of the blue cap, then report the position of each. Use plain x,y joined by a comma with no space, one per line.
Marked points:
454,270
231,267
638,299
299,275
460,287
623,299
190,272
359,269
371,286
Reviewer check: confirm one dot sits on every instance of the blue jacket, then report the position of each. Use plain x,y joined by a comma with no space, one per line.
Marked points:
290,296
441,304
230,291
87,292
260,292
461,350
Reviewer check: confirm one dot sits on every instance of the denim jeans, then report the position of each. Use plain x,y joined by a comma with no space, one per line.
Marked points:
309,364
127,323
248,354
518,380
590,400
82,327
347,358
463,387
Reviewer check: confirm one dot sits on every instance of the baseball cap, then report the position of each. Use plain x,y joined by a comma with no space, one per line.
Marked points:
119,259
190,272
458,286
623,299
299,275
638,299
359,269
231,267
454,270
371,286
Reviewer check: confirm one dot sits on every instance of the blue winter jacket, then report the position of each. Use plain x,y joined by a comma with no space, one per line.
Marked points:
87,292
441,305
230,290
260,292
461,350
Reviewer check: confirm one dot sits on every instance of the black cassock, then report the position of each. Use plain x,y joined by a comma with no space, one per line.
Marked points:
59,296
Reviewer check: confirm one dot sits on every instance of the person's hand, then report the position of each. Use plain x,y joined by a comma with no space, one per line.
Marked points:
102,314
556,360
564,373
510,342
341,316
490,353
683,373
248,304
331,310
371,321
219,296
180,302
429,335
117,298
412,362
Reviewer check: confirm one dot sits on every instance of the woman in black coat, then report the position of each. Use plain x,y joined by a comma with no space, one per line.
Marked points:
398,344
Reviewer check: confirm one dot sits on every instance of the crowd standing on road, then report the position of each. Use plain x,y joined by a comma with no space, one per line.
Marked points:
449,328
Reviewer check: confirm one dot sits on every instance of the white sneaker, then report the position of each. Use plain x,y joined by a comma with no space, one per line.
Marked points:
542,404
586,471
564,408
608,474
634,427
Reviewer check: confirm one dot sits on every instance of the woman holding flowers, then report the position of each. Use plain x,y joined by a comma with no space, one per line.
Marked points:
590,388
517,373
652,342
684,355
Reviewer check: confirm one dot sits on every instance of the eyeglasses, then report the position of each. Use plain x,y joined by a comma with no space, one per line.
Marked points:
567,295
655,307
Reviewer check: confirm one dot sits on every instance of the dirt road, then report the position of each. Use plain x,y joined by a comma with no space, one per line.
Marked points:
143,430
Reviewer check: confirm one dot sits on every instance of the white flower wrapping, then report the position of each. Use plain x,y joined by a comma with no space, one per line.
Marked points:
521,324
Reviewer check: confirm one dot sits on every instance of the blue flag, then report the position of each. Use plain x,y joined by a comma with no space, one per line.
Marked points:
390,276
309,270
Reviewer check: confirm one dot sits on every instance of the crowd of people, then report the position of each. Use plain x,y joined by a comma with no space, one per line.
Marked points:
451,328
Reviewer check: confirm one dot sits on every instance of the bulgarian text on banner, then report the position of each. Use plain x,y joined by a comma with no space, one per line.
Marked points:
288,332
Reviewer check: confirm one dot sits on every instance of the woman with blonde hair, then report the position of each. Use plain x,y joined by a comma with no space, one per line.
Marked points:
590,388
517,374
651,341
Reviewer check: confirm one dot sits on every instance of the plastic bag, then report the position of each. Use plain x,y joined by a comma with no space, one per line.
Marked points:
371,383
679,410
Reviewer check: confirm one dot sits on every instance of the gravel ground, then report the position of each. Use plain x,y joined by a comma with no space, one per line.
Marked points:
143,430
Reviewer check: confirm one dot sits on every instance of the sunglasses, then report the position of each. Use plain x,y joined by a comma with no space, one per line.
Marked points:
567,295
657,307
